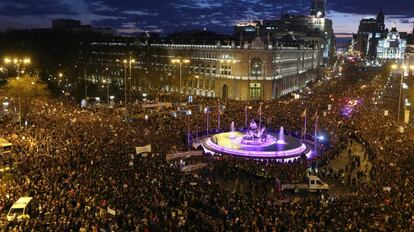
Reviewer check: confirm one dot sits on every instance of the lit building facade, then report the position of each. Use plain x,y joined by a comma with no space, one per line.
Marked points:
251,71
370,31
314,28
392,47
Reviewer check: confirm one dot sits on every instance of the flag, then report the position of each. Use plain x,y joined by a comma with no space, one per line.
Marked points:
316,115
303,115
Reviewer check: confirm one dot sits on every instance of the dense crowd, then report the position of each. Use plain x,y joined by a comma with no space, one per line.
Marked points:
80,167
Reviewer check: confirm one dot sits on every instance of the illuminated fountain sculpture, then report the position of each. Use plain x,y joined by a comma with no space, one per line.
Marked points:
256,143
254,135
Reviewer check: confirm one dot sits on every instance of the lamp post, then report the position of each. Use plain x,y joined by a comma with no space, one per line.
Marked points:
125,82
180,62
106,81
395,67
127,63
18,62
60,75
130,75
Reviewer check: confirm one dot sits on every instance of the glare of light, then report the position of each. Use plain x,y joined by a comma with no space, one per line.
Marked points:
405,86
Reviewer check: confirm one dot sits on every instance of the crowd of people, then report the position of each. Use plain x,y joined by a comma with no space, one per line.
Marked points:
81,169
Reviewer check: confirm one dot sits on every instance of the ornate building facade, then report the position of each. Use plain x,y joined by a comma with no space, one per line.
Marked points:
251,71
391,47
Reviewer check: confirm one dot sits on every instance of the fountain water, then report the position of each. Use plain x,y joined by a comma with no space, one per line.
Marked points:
232,129
281,139
256,143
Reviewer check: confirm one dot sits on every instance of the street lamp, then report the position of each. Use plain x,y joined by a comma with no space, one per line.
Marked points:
180,62
18,62
107,82
404,69
127,62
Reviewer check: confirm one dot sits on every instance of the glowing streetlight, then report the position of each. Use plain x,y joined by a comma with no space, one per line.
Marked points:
18,62
7,60
127,62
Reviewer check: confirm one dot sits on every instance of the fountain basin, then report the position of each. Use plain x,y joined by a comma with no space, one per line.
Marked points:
231,143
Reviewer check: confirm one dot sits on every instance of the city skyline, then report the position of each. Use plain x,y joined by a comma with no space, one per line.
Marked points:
168,16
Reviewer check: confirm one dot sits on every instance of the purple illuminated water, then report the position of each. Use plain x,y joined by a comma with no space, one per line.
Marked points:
281,139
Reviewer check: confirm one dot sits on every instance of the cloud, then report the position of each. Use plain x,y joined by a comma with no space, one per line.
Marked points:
177,15
26,8
140,13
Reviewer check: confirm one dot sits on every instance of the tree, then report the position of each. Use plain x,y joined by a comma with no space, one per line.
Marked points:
24,91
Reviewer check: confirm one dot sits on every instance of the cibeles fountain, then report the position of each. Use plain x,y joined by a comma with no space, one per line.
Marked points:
256,143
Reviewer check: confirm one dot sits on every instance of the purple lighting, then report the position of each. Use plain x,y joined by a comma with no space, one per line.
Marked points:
230,143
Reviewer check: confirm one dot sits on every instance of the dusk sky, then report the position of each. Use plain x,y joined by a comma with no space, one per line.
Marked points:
166,16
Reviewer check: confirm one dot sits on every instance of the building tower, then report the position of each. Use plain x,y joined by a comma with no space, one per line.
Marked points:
381,21
318,8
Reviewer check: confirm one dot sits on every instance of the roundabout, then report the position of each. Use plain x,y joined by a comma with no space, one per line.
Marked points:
257,144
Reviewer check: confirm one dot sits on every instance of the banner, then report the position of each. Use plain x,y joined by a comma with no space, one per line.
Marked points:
111,211
181,155
386,113
157,105
406,116
143,149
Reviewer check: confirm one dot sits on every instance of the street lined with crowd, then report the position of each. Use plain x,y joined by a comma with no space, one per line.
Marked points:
80,167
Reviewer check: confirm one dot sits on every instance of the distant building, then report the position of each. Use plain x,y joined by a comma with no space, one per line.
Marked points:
409,52
76,26
314,28
66,24
263,60
391,47
370,30
256,70
318,8
219,65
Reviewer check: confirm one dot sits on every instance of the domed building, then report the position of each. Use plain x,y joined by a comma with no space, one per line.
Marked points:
392,47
